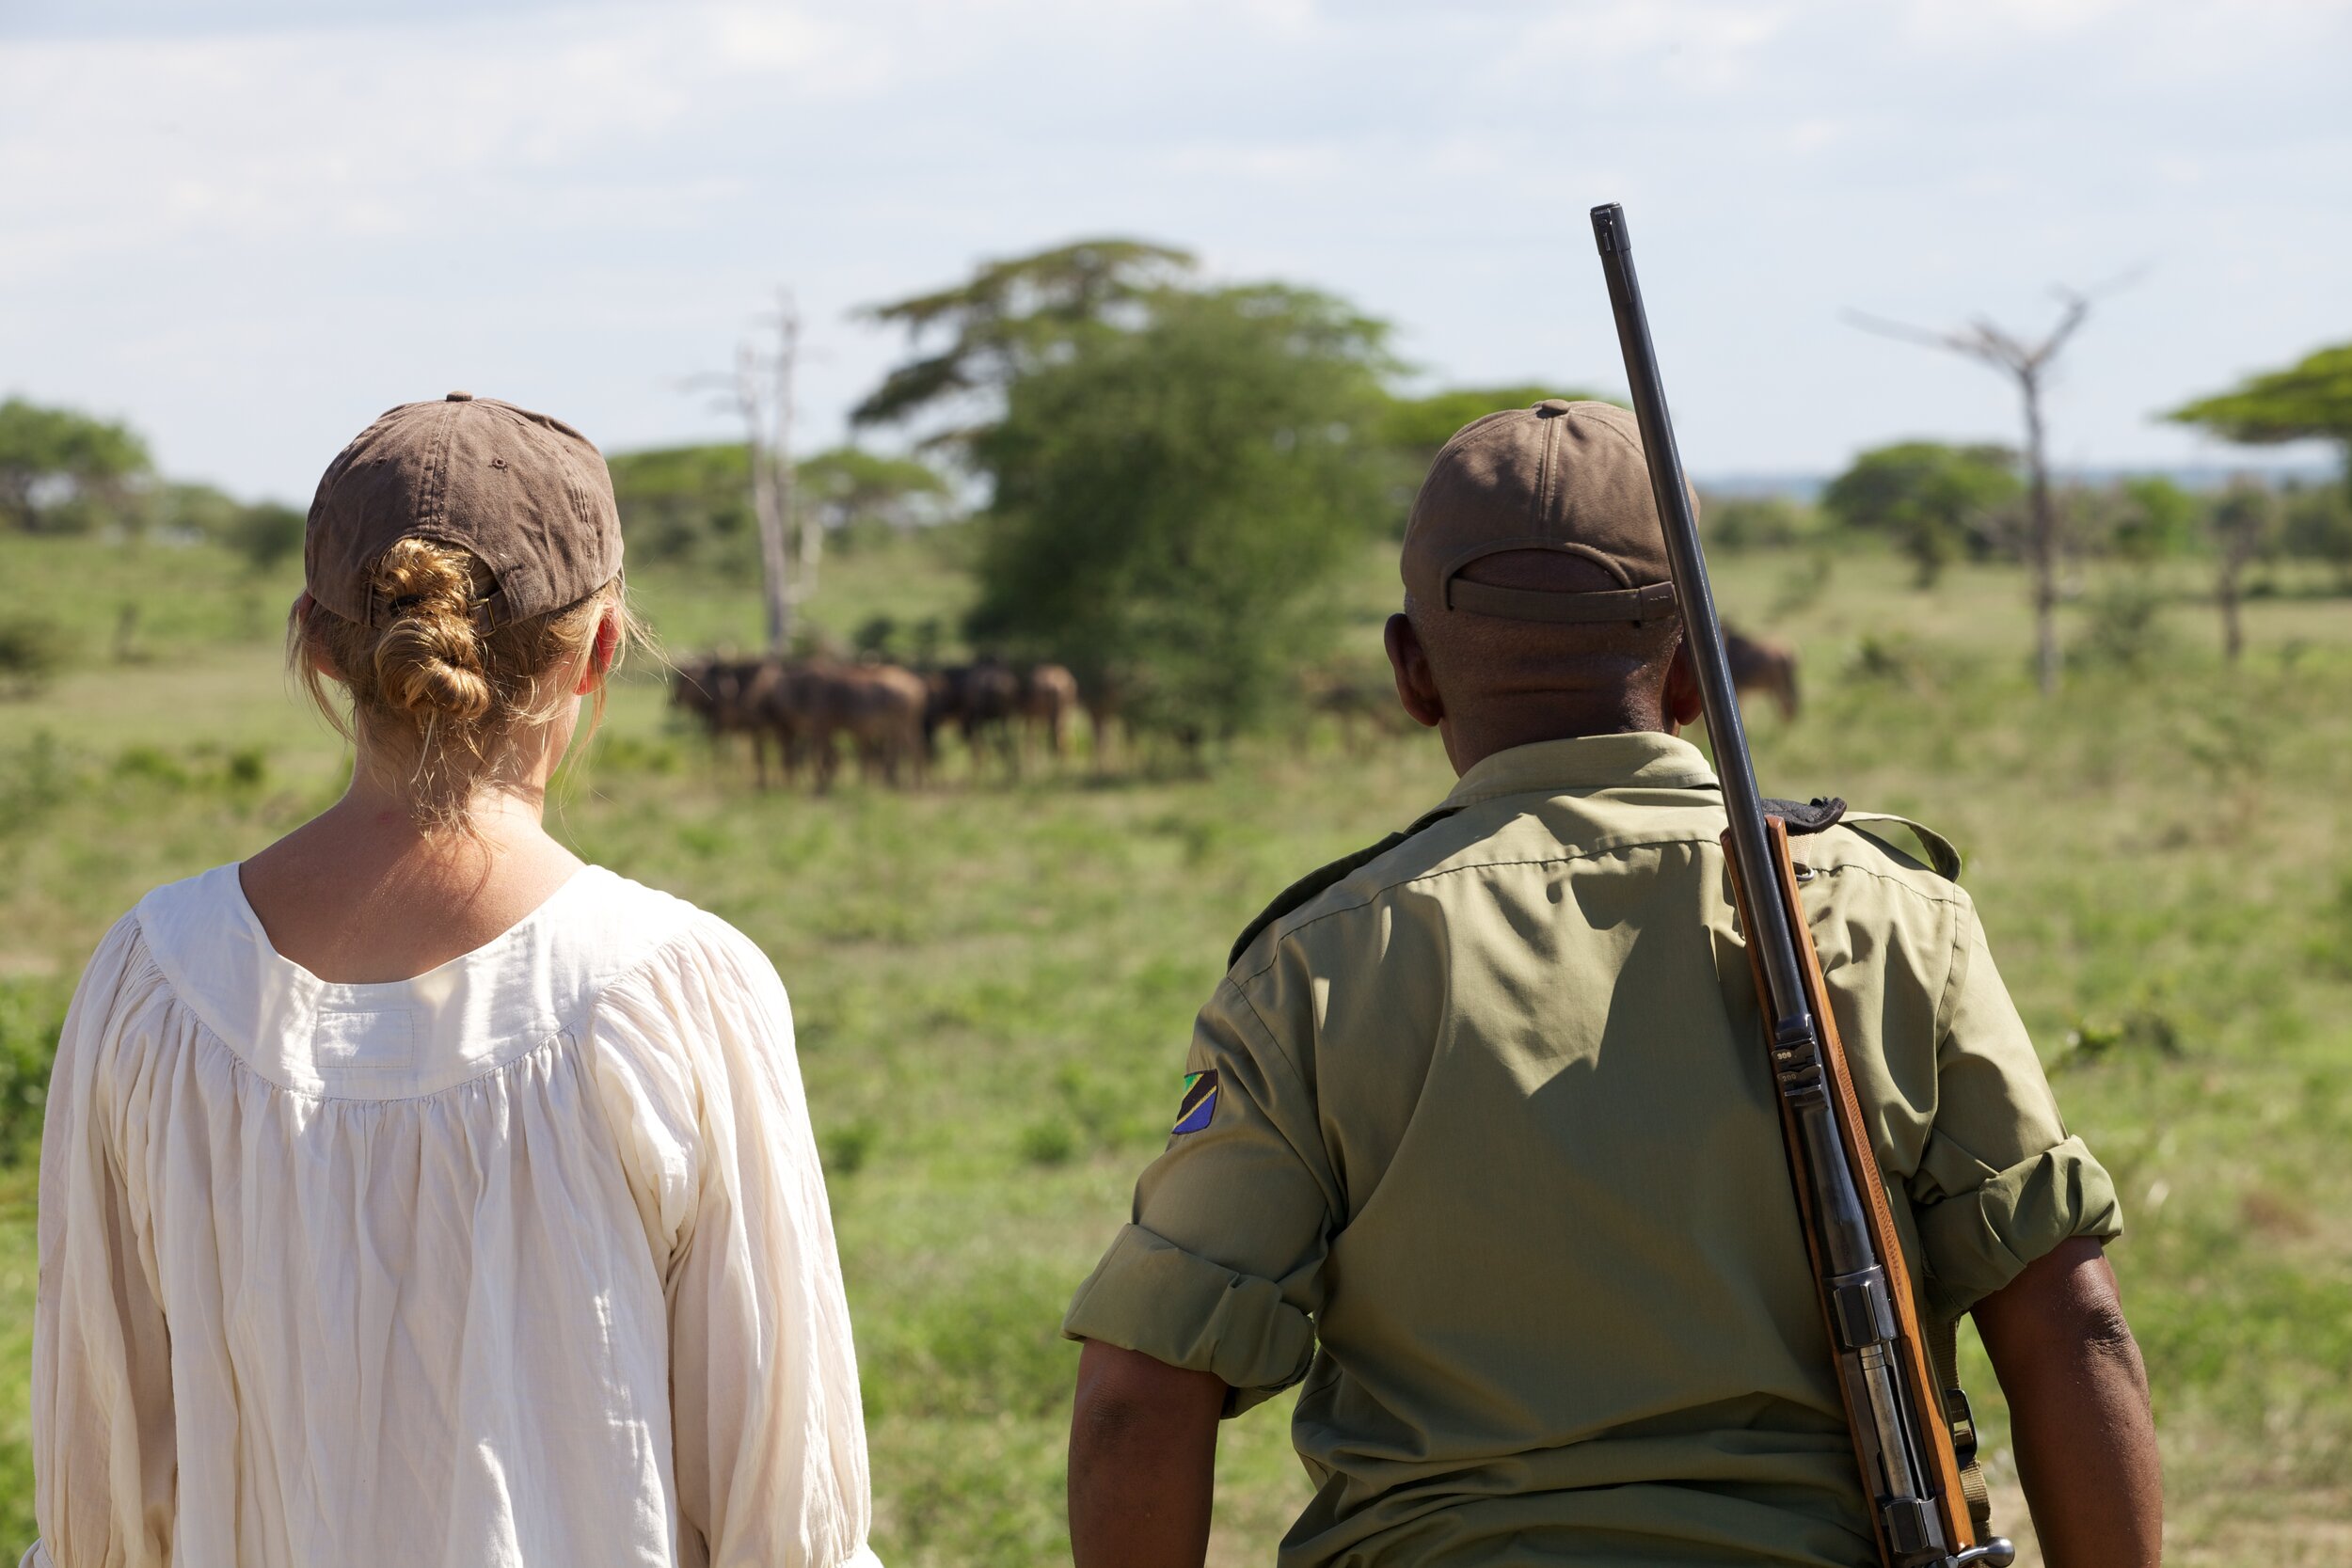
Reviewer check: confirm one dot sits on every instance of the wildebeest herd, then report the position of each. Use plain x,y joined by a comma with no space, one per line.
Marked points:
890,718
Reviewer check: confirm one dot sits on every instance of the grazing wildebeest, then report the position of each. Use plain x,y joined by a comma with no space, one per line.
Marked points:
981,700
1760,666
1100,697
734,697
942,704
881,707
1048,695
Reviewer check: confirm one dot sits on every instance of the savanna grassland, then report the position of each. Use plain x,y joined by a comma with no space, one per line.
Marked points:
995,979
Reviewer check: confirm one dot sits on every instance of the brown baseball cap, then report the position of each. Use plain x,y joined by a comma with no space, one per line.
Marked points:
527,493
1557,476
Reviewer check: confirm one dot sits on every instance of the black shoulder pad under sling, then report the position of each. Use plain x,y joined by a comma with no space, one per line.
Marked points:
1315,881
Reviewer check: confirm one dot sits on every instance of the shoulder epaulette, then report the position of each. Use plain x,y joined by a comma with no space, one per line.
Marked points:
1941,856
1821,814
1317,880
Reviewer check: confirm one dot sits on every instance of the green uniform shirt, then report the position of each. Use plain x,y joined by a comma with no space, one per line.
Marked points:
1490,1159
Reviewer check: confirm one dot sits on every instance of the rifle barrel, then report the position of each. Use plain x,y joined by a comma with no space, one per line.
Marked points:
1702,632
1889,1424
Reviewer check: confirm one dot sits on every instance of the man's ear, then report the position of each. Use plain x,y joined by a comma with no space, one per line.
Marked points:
1682,701
1416,686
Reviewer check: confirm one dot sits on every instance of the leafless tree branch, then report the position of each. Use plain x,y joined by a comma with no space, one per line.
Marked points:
2024,361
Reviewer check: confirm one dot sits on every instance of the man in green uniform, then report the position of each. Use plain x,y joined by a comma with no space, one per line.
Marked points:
1479,1141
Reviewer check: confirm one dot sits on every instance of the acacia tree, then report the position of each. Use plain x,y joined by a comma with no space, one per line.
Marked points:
1170,500
687,504
62,472
1419,425
848,485
2310,399
972,341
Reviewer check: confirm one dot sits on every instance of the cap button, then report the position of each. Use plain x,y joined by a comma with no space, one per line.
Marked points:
459,396
1550,405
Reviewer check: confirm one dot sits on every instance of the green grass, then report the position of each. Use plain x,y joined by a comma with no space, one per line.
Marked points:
995,985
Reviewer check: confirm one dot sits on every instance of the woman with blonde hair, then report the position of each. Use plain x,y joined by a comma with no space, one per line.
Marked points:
412,1193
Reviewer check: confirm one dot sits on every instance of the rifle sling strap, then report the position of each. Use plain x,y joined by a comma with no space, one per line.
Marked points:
1943,1336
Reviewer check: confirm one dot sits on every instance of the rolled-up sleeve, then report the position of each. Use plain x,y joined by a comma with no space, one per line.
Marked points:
1221,1270
2001,1182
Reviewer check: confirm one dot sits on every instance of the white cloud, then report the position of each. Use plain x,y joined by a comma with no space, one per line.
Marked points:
581,203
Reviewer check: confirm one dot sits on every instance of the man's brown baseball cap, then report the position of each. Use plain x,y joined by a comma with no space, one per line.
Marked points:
1558,476
527,493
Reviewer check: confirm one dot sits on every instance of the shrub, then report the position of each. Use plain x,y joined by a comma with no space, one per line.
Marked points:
847,1148
1048,1143
2318,527
1753,523
2126,629
31,1022
266,534
1932,499
32,651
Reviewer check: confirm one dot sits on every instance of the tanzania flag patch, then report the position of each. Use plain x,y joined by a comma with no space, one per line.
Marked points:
1200,1104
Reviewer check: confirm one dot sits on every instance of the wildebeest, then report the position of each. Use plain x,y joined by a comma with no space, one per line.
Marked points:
736,697
891,716
1100,696
879,706
980,700
1047,696
1758,665
805,709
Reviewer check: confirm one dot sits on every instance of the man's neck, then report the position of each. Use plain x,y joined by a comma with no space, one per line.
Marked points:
1471,738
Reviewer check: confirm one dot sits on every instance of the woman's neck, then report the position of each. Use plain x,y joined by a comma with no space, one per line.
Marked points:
366,891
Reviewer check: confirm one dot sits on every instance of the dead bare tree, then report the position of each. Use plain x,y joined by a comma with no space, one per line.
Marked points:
761,390
775,565
2026,363
2242,522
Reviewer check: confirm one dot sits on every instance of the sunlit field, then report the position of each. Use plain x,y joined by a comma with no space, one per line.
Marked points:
994,977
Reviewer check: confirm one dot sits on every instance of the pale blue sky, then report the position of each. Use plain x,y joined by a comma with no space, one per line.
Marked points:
249,224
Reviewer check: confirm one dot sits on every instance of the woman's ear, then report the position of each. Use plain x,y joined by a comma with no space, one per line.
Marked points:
313,651
601,652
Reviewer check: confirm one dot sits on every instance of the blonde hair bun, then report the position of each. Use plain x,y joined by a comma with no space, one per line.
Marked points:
439,690
429,659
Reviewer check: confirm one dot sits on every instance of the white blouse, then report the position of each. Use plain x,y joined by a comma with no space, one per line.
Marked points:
526,1261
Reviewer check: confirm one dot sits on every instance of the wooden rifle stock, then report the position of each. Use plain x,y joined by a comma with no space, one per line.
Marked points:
1925,1387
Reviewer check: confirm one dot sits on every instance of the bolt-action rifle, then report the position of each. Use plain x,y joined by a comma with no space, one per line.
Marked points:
1897,1405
